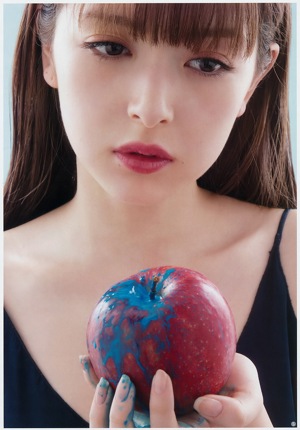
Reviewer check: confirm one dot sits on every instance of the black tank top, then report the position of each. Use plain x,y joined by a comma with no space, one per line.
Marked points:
268,339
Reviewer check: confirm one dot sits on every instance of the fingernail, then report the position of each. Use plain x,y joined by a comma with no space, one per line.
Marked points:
87,370
125,386
159,382
208,407
101,390
83,359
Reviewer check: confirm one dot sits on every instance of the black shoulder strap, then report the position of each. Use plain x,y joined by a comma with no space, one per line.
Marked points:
280,227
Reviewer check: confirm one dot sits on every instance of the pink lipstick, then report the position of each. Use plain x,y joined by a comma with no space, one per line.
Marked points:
143,158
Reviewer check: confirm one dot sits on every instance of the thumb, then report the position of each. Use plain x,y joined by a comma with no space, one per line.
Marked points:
221,411
243,403
240,411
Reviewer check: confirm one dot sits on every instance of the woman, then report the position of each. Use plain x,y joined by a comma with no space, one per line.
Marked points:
149,135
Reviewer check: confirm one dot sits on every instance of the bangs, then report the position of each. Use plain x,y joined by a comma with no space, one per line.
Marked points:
188,24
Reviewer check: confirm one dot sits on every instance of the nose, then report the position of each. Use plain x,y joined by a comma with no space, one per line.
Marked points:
151,99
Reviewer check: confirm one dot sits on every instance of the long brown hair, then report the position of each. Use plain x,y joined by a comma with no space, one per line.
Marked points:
255,164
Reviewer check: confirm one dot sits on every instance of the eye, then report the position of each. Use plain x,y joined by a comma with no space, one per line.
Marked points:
107,49
209,66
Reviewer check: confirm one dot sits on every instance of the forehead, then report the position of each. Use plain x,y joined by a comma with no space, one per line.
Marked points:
177,23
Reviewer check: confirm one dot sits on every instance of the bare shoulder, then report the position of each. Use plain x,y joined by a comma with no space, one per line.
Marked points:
288,254
22,242
20,249
263,222
27,251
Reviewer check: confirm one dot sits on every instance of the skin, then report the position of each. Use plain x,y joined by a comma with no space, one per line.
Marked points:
150,99
58,264
234,408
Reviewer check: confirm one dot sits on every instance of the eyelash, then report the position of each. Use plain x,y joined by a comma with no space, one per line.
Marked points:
94,46
221,66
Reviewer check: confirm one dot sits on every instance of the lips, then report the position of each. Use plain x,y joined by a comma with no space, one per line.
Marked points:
142,158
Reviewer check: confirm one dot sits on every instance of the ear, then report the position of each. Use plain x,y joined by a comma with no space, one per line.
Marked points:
49,71
274,51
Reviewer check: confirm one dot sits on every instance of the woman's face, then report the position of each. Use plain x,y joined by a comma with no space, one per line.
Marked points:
143,119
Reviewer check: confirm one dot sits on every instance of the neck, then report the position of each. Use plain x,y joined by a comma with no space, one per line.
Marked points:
99,216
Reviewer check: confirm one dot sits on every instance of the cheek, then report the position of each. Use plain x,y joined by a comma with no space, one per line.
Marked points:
212,117
208,123
77,93
223,103
85,106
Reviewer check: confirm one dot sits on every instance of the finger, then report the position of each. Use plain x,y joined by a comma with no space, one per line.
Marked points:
229,412
99,413
162,413
218,412
122,408
88,371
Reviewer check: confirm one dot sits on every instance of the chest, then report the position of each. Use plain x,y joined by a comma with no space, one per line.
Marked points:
53,321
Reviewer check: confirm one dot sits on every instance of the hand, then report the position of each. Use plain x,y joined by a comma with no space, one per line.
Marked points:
240,404
117,409
234,407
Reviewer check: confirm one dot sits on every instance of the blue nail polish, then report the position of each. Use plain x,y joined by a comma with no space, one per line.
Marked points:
125,379
103,383
102,390
126,385
85,364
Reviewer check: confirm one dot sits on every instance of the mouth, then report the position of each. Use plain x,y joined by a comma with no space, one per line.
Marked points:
142,158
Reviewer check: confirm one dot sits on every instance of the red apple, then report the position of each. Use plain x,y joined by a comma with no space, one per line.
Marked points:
168,318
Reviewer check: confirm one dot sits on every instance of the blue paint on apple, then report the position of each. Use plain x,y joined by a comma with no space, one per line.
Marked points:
134,295
167,318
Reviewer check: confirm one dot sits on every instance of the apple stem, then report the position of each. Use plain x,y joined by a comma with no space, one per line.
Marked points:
153,288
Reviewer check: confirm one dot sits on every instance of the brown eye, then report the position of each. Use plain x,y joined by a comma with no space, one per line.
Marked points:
209,66
113,48
107,49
